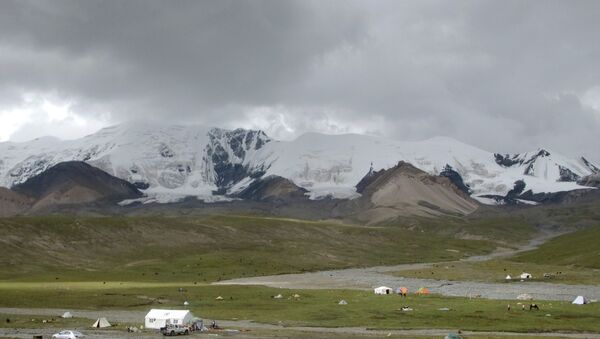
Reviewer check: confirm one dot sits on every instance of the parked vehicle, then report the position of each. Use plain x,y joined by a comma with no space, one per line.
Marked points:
171,330
67,334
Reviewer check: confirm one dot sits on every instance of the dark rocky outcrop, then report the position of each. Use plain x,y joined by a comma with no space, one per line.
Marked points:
75,182
273,188
591,166
506,160
455,178
370,177
226,151
567,175
519,196
592,180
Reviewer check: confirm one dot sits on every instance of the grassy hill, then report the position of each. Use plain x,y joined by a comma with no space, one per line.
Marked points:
579,249
208,248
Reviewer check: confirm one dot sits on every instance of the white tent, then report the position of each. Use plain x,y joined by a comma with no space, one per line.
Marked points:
67,315
508,277
383,290
101,323
580,300
526,276
157,318
343,302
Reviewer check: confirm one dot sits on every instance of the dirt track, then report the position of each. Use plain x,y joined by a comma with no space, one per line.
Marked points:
277,331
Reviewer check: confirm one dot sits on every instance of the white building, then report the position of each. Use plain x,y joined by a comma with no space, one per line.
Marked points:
160,318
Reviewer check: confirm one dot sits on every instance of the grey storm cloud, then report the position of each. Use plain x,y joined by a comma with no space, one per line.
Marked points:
506,76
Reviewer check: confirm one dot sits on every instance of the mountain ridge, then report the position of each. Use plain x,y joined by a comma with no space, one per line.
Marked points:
172,162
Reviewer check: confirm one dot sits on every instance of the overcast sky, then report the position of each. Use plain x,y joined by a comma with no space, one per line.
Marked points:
506,76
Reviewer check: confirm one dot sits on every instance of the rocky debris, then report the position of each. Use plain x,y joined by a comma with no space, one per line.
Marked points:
592,180
455,178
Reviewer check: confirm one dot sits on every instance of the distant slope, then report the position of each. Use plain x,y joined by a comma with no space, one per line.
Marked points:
579,249
75,182
13,203
205,248
405,190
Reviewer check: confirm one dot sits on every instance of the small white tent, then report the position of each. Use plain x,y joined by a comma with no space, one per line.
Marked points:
580,300
157,318
526,276
67,315
101,323
508,277
383,290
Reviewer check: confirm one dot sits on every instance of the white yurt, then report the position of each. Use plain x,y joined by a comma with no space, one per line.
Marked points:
383,290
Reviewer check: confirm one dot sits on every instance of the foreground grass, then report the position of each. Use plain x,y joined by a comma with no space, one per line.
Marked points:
36,321
496,271
206,248
315,307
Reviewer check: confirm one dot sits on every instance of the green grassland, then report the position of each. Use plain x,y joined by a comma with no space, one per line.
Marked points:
207,248
140,262
316,307
569,259
496,271
36,321
579,249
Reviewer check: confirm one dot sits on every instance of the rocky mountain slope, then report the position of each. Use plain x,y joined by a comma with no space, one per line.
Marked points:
12,203
405,190
72,183
169,163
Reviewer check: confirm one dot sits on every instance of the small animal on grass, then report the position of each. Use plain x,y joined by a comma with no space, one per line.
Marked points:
533,307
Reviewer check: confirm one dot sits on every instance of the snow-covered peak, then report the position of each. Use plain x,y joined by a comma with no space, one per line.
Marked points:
170,162
333,164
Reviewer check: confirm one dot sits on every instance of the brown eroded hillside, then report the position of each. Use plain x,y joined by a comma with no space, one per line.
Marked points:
12,203
404,190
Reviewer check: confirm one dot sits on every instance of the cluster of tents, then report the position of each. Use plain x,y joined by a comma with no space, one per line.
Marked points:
523,276
155,319
400,290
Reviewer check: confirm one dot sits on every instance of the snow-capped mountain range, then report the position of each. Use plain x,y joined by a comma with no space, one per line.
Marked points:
169,163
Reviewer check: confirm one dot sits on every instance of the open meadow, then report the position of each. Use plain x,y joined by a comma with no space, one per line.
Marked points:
133,264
